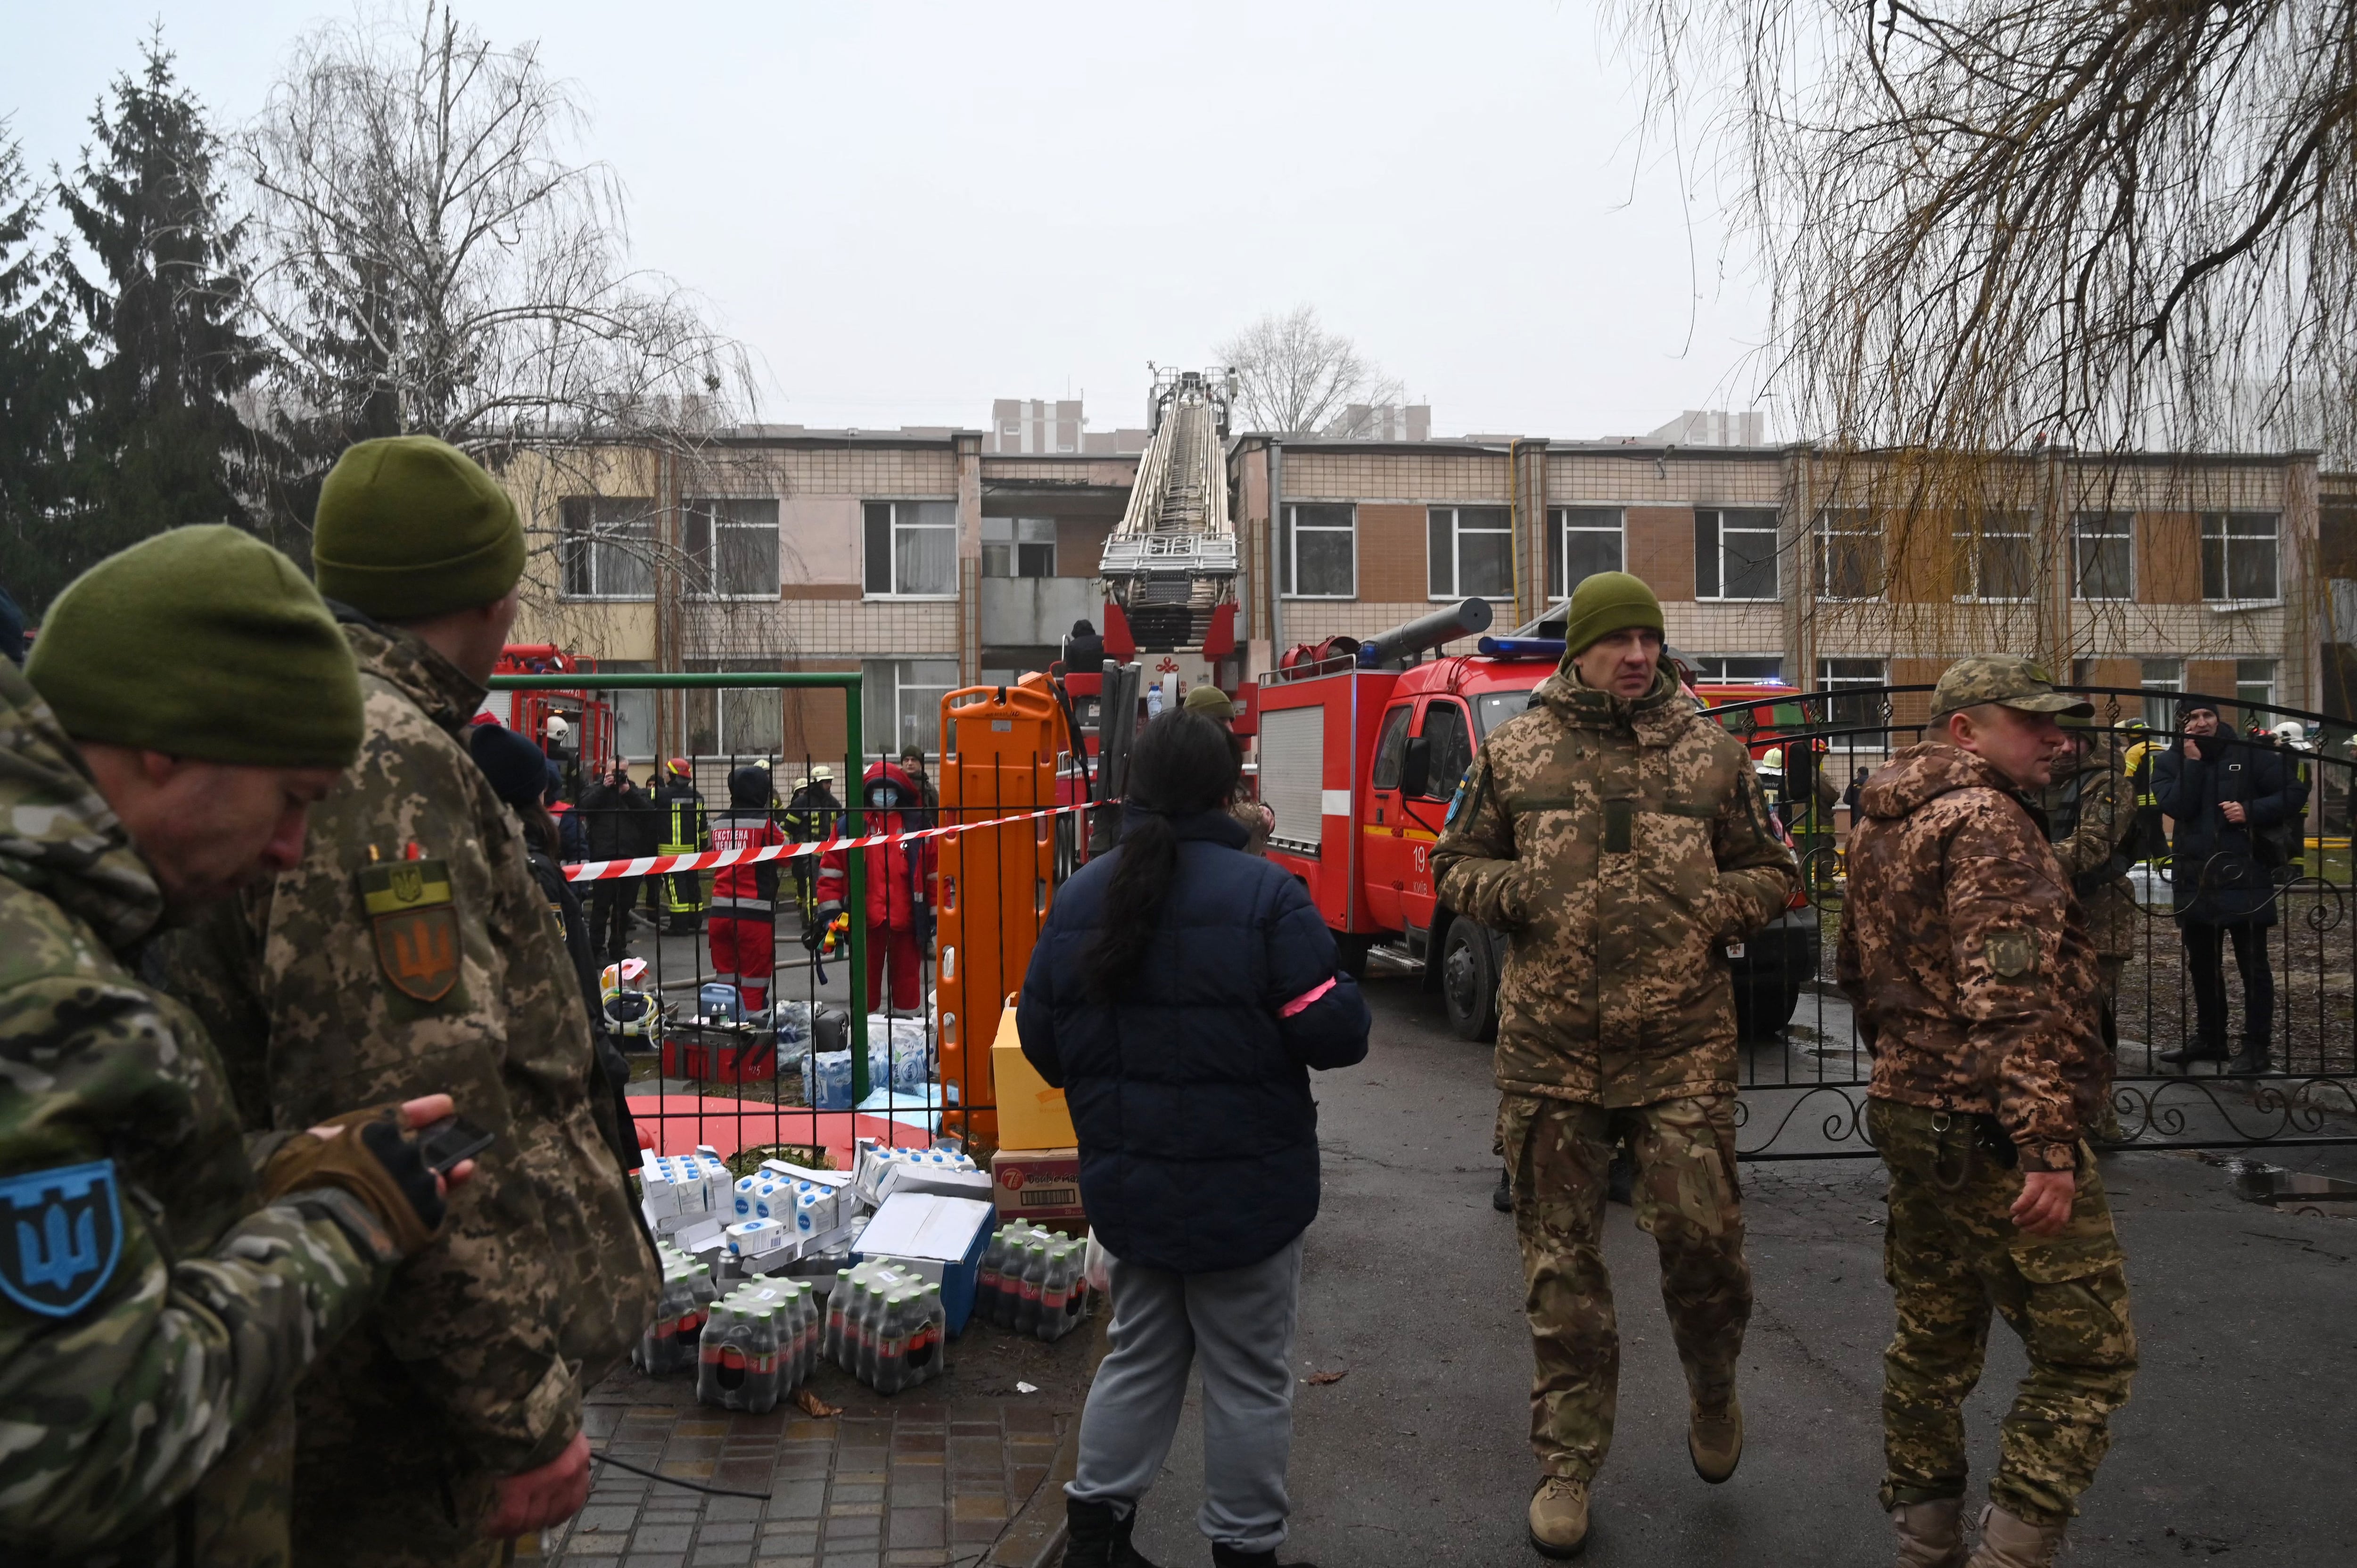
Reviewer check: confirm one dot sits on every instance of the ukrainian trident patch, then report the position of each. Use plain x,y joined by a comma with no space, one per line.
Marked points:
416,920
60,1236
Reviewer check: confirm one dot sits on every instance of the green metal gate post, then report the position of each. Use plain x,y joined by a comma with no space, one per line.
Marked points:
847,682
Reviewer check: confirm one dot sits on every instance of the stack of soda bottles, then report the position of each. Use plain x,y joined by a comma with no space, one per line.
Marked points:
1033,1282
669,1344
886,1326
760,1343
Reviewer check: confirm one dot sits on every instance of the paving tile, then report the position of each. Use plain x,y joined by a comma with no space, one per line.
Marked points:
722,1554
716,1529
915,1527
663,1537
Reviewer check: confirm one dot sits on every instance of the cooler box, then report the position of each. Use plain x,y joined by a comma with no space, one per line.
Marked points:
1031,1114
943,1239
719,1054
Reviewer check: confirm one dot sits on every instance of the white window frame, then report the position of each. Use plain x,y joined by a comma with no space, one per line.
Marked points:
1005,539
894,529
2245,682
2114,525
602,548
1698,662
1288,572
727,702
1824,531
721,515
1455,512
1832,682
1774,530
1561,526
892,682
2226,539
1970,539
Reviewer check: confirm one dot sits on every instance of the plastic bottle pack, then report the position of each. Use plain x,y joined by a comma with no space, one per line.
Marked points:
669,1343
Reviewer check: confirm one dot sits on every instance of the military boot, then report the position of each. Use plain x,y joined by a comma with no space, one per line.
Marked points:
1502,1200
1714,1439
1559,1516
2252,1062
1098,1536
1930,1535
2010,1542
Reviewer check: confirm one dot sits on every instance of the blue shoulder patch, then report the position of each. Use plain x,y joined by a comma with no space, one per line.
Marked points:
60,1236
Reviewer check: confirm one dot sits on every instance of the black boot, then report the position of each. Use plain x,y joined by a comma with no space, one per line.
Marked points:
1502,1200
2200,1051
1229,1557
2252,1062
1098,1537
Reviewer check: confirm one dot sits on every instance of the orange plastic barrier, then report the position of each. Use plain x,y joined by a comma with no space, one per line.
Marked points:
1004,749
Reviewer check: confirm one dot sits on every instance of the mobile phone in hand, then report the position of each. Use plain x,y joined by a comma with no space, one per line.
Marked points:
452,1139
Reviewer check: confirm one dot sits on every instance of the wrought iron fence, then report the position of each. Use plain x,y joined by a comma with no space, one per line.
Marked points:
747,1028
1805,1071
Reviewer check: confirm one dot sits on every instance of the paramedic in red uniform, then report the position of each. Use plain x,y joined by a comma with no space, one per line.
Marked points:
743,922
899,888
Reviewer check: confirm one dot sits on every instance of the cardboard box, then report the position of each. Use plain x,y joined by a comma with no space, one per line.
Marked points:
1031,1114
942,1238
975,1184
1042,1186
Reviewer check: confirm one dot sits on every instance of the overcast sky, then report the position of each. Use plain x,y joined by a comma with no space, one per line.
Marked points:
906,210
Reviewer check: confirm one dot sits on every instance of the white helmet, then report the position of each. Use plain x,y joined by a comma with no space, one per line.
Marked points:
1773,762
2291,731
557,729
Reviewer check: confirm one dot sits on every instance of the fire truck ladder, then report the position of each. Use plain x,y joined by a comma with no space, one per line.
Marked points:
1172,562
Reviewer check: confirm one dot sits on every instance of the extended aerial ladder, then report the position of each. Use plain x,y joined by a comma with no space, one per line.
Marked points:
1169,569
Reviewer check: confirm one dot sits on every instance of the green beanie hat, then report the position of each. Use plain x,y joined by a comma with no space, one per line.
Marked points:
1606,602
202,642
410,527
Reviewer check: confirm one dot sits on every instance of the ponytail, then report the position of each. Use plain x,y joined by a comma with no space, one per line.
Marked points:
1184,764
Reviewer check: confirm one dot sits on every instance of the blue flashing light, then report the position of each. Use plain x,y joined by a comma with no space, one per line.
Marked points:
1550,648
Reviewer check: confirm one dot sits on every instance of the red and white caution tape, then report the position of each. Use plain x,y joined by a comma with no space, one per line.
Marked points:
662,864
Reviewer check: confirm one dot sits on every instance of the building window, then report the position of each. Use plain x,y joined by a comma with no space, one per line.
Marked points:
902,702
1855,710
2103,556
1993,560
1734,554
1849,554
2255,686
1581,542
738,722
1019,546
2238,556
732,548
1470,553
2160,678
911,549
1318,557
634,723
606,546
1735,668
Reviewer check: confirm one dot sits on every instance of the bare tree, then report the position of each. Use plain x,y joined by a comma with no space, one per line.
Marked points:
434,257
1294,376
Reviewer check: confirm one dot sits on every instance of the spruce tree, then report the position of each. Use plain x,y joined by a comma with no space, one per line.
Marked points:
161,441
40,372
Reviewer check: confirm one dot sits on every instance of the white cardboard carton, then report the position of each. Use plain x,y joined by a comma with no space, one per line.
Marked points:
930,1233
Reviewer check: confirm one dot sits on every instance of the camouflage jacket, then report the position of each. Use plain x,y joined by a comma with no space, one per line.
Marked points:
364,975
2092,809
1966,956
1621,845
152,1312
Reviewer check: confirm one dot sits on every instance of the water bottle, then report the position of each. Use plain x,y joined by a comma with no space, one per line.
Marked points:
871,1332
1076,1288
985,1281
837,1301
715,1381
892,1344
1035,1274
761,1391
929,1328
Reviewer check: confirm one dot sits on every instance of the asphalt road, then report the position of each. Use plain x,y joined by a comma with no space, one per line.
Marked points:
2236,1447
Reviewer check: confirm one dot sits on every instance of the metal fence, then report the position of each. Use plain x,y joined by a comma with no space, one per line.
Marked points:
1804,1085
725,1027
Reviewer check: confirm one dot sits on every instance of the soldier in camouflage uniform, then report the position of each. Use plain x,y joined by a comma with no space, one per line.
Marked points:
2091,821
1620,840
156,1306
1975,980
412,945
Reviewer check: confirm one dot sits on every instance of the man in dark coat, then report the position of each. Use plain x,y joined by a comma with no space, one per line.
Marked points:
610,811
2224,792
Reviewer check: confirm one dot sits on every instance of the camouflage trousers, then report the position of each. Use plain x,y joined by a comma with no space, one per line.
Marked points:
1953,1255
1560,1151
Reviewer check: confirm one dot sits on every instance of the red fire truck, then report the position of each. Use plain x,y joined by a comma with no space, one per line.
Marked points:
589,717
1361,745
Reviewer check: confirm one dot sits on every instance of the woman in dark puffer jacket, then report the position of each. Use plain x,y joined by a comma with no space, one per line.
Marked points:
1180,994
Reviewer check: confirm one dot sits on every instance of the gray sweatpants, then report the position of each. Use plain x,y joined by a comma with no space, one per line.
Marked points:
1236,1326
